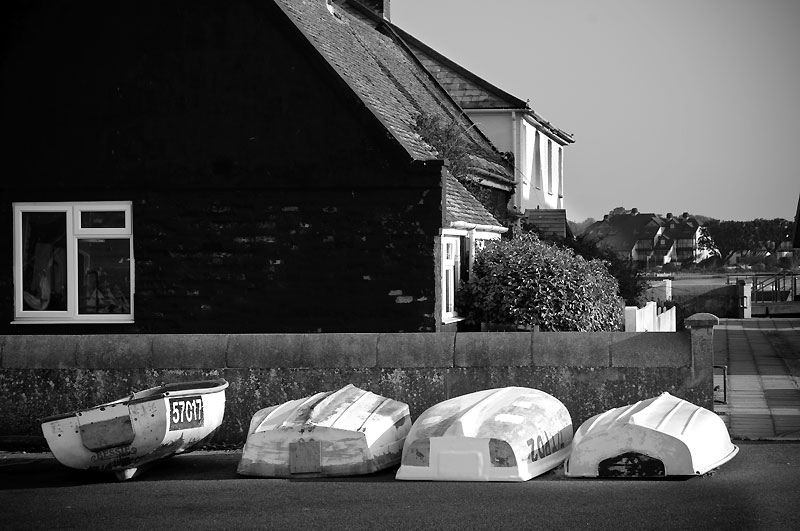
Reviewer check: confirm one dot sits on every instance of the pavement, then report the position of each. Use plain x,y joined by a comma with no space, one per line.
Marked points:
760,398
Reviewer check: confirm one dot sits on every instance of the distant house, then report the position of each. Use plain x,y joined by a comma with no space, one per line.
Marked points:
251,167
537,146
648,239
685,231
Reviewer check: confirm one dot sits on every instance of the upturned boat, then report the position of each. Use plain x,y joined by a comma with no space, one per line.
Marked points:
127,435
657,437
336,433
505,434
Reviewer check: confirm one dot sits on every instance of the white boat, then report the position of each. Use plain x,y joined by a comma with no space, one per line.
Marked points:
346,432
505,434
660,436
125,435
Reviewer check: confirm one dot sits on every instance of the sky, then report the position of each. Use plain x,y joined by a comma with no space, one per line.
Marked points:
674,105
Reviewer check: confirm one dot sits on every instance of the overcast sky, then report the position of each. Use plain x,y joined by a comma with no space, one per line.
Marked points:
675,105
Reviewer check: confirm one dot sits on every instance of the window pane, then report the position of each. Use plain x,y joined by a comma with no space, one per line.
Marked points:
448,290
44,261
103,219
104,276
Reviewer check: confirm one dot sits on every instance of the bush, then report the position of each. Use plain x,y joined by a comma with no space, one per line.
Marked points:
631,284
528,282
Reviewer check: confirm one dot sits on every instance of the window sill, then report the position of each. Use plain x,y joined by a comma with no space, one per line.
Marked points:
451,320
72,322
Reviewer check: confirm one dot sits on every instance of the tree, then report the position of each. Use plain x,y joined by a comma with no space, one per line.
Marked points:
578,228
724,238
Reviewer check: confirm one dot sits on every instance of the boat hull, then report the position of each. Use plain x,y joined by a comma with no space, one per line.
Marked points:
128,434
657,437
506,434
341,433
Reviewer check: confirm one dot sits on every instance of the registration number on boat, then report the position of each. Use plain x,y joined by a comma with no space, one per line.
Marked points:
185,412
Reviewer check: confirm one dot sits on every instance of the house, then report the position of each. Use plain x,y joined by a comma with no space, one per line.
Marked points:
648,239
249,166
685,231
535,145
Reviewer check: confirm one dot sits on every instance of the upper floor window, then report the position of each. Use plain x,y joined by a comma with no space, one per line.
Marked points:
73,262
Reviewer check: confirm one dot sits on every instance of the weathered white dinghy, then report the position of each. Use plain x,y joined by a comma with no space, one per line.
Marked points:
346,432
125,435
506,434
661,436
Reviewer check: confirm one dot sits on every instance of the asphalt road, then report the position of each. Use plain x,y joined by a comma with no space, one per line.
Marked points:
758,489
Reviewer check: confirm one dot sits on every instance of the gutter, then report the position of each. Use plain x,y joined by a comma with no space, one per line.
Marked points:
465,225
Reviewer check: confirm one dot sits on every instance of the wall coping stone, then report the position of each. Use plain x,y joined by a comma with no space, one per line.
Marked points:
651,349
416,349
358,350
115,351
191,351
495,349
581,349
701,320
40,352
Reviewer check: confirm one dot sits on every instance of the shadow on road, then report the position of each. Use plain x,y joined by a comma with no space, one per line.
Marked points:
38,471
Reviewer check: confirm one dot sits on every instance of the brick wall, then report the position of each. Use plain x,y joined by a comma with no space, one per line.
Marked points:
266,197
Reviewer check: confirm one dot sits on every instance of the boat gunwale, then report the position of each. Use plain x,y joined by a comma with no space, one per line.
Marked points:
155,393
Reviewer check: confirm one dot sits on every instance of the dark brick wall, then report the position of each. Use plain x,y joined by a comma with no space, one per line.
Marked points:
265,196
286,260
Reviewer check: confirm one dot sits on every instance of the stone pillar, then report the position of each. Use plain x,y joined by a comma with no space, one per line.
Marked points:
701,326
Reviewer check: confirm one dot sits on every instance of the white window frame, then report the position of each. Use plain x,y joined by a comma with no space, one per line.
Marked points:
474,241
451,258
75,233
451,266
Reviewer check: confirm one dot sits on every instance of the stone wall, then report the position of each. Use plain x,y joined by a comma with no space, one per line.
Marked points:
721,300
589,372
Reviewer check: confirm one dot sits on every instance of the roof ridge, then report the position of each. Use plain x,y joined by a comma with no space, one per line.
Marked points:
467,73
396,34
497,91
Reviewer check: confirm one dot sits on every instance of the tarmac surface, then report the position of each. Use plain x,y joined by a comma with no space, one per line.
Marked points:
760,399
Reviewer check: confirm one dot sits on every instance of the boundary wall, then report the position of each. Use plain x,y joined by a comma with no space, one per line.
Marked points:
589,372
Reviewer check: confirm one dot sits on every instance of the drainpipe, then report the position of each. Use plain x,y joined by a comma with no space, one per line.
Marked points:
517,174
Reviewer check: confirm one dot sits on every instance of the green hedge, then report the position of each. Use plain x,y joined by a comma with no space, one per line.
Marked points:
527,282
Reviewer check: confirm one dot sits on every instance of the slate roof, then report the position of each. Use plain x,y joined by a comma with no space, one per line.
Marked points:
393,85
471,91
681,228
462,207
